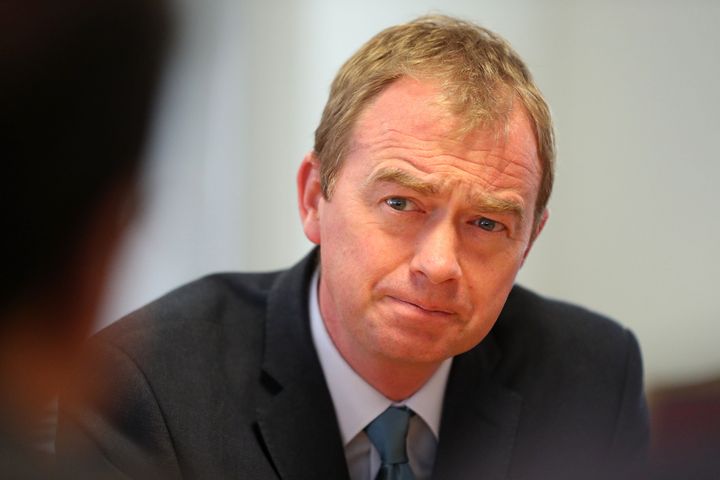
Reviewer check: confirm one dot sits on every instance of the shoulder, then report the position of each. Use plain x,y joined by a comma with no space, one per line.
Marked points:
170,378
567,360
579,374
198,333
552,328
194,310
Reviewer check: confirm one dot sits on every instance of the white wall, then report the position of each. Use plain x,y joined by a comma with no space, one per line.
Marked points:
633,87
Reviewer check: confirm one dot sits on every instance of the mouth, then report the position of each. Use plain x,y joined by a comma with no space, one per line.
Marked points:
427,309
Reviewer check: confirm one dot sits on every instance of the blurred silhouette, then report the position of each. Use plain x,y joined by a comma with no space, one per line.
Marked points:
77,78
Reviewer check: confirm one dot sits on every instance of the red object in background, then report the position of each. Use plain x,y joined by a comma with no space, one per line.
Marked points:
685,422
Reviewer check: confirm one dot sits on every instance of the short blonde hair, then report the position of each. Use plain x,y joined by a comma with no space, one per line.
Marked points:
480,74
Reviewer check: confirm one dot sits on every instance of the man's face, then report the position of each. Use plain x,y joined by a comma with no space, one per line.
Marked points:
424,233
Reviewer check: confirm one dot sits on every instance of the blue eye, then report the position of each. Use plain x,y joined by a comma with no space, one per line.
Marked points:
397,203
489,225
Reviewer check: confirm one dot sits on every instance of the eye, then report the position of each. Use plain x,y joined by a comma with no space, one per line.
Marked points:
400,203
489,225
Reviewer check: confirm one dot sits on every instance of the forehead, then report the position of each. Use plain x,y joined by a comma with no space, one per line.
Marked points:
408,123
408,103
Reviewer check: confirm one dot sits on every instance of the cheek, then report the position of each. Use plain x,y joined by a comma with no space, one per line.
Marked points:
358,234
489,285
341,243
345,251
495,264
484,265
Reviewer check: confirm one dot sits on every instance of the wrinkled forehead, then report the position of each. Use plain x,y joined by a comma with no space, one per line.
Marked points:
409,124
418,105
414,109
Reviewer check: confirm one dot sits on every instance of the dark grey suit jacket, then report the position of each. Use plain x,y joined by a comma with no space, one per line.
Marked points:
219,379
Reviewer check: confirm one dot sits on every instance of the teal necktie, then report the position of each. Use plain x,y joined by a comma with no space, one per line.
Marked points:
388,433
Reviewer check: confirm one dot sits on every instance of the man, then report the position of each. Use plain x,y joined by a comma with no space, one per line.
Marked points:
76,83
400,347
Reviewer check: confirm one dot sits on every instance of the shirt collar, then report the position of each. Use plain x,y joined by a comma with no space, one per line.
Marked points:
356,402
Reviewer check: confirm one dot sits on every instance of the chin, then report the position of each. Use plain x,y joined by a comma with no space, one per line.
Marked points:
413,351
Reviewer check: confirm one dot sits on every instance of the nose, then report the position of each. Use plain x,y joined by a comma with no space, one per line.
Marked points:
436,254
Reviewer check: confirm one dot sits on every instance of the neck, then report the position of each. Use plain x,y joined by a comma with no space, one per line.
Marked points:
396,381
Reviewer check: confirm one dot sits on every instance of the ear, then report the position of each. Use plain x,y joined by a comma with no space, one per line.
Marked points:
309,196
538,228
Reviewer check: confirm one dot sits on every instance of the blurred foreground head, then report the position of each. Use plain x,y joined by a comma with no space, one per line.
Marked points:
77,79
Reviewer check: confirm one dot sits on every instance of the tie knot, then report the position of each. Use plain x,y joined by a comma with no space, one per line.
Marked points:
388,433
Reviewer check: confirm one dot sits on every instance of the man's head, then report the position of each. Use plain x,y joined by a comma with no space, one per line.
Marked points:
76,85
76,88
481,76
425,192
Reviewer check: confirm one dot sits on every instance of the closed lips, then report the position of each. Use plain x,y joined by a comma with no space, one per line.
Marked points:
427,308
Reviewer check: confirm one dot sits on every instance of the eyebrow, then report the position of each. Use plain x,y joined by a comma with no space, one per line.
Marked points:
481,201
402,178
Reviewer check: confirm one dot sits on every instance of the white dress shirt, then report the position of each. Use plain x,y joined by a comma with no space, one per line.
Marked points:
357,403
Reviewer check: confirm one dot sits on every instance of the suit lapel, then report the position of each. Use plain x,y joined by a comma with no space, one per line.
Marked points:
479,421
296,418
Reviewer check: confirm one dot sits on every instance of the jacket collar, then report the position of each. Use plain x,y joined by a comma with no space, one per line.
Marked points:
297,419
480,417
